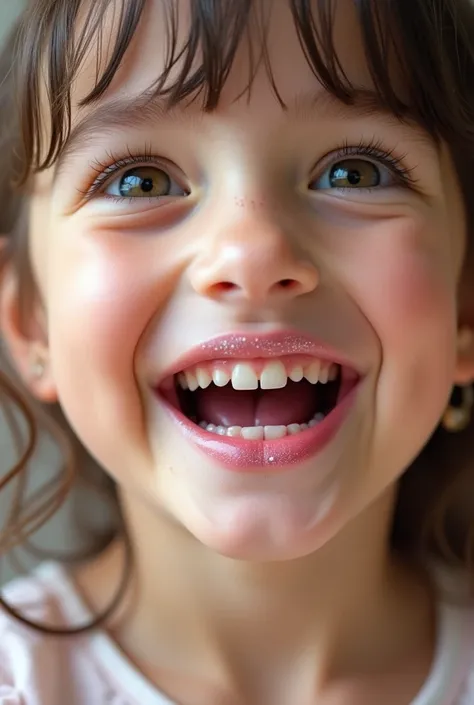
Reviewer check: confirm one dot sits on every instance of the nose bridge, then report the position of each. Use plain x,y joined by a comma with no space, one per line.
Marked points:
253,254
257,239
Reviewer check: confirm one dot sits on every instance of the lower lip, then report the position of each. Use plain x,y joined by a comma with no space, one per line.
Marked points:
240,455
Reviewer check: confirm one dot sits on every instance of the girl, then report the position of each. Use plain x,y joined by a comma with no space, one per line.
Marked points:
237,254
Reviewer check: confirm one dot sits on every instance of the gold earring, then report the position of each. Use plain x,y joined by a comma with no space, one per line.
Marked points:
457,418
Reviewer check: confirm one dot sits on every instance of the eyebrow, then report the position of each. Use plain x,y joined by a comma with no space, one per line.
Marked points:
135,112
123,112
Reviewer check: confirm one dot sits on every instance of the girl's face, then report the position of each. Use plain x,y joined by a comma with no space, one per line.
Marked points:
319,232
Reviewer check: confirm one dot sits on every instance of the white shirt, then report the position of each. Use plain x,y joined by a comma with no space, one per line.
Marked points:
90,669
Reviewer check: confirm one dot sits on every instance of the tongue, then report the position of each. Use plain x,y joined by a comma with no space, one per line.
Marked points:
295,403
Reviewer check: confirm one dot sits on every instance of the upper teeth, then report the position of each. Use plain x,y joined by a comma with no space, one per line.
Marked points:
273,374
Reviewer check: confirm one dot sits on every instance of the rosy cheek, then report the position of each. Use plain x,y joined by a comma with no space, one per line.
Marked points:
406,289
100,307
104,291
411,287
111,284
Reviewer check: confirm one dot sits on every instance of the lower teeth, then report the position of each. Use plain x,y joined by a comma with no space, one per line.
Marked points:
260,433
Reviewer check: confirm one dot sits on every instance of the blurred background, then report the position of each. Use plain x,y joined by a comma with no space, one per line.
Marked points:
9,10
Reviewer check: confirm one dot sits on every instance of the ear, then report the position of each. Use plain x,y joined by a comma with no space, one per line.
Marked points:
26,341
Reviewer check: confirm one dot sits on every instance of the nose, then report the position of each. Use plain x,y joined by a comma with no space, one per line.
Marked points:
252,260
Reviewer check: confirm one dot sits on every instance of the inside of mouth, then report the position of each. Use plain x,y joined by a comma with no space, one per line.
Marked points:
296,403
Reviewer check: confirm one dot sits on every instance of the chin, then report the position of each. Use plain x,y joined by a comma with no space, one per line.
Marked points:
263,529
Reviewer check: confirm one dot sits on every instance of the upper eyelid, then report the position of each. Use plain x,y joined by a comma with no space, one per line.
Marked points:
388,159
369,152
109,173
125,163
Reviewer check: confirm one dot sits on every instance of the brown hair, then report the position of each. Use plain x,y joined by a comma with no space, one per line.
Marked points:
432,46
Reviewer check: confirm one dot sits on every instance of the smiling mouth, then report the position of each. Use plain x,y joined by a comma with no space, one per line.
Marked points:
260,399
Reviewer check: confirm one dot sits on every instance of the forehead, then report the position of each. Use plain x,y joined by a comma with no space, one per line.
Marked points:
269,54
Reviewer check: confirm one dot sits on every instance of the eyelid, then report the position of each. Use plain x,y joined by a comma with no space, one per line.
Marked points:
117,165
372,151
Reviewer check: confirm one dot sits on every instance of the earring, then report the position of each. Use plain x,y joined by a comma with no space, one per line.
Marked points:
465,339
457,416
38,368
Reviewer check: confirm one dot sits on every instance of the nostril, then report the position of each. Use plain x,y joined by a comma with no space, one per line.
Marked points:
287,283
223,287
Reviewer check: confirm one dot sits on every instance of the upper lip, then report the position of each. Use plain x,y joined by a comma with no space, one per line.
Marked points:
247,346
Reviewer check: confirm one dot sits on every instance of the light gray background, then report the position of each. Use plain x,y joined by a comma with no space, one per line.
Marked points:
9,9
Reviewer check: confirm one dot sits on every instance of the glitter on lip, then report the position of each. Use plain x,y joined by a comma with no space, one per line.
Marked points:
241,455
245,346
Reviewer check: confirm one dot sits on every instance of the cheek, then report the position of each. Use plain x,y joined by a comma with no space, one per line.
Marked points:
104,289
409,294
406,289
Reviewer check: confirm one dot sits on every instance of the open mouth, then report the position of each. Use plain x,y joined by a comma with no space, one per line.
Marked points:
266,399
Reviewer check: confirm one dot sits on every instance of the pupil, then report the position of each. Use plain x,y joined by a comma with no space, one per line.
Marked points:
147,185
354,177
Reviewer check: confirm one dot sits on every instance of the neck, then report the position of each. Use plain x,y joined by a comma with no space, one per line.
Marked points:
206,613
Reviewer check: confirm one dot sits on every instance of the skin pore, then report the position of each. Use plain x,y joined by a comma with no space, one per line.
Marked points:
255,588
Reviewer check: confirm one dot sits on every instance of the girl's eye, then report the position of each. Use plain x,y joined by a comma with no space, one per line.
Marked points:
354,174
144,182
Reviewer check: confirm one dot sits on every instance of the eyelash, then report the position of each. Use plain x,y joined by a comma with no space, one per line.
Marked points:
373,149
113,165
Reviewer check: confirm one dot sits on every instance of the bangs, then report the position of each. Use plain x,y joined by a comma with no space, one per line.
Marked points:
428,45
